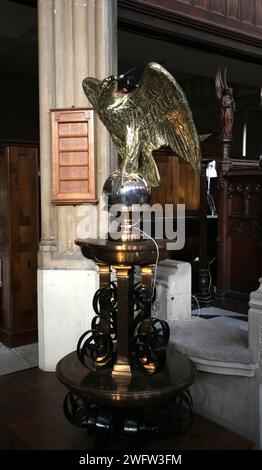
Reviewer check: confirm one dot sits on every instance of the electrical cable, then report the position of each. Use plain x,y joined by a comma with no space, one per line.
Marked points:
157,254
198,306
156,262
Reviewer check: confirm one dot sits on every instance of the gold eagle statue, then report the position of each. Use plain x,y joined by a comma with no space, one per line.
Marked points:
155,114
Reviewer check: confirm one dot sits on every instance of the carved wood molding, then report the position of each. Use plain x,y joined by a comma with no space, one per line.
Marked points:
247,190
175,19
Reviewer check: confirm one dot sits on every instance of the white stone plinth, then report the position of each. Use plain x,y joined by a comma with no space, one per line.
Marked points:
232,401
255,321
64,311
173,289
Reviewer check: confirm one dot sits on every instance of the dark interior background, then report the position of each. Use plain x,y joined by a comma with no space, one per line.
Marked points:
195,71
18,72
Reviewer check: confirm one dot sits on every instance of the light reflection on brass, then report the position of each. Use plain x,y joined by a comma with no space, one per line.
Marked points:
156,114
123,370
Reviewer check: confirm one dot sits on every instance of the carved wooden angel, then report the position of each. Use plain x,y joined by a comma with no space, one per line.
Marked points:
156,113
224,94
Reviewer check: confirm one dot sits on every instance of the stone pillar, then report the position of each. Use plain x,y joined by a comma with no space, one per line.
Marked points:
76,40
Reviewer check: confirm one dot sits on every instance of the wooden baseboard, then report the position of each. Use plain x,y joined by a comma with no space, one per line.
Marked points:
12,339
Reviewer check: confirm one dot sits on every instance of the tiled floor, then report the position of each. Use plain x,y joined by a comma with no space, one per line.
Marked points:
15,359
209,312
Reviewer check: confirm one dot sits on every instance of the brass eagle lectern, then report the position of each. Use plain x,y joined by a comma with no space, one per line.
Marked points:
124,378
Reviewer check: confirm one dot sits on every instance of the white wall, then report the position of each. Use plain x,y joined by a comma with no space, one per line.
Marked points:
64,311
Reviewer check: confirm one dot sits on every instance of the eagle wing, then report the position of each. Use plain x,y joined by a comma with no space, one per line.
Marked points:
219,84
161,111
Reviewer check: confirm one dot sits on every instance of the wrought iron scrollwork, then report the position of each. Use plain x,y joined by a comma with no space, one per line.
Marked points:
95,348
149,345
76,411
98,420
105,307
93,418
150,336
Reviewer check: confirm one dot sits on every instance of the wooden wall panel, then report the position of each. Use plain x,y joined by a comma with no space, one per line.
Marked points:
5,319
73,156
247,11
259,13
201,3
233,8
180,184
19,243
219,6
24,222
241,16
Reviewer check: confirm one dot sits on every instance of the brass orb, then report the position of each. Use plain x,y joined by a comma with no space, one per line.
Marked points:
126,190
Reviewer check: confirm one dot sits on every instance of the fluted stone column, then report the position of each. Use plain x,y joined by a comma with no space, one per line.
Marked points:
76,39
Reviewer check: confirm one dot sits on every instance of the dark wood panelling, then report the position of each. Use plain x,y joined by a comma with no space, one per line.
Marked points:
233,8
201,3
238,194
259,13
219,6
248,11
19,211
215,26
179,182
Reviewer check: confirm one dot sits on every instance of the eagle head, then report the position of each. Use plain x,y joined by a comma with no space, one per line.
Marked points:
109,83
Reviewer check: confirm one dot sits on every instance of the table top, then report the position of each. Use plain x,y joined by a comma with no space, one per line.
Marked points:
140,390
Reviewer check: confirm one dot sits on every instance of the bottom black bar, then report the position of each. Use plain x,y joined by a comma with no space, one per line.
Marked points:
112,458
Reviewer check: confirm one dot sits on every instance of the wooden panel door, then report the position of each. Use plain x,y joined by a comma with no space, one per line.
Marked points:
5,307
180,183
24,235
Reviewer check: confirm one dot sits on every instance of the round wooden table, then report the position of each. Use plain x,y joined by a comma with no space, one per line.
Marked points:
102,402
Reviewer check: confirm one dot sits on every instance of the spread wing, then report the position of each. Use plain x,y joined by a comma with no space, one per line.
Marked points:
219,85
92,89
160,109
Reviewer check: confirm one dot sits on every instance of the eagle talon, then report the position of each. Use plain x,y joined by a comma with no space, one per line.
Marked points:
123,174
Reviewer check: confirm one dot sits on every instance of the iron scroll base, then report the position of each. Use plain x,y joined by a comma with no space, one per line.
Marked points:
115,407
110,424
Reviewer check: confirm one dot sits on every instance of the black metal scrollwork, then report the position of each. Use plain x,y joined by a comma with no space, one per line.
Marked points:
150,336
98,420
105,307
76,411
149,347
95,348
93,418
